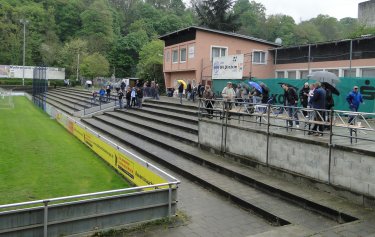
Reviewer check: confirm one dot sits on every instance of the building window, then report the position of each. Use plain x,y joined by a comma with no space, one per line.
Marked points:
280,74
175,56
304,74
334,71
292,74
218,52
182,55
167,56
368,72
349,73
259,57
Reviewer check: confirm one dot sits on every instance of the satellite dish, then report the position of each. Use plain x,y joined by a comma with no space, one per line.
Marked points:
279,41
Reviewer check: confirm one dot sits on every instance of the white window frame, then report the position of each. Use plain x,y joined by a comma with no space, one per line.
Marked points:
221,47
260,51
181,54
174,50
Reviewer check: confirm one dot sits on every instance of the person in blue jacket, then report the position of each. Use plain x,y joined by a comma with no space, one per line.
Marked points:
354,99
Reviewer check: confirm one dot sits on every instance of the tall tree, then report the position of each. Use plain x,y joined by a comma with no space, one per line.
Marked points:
150,66
217,14
94,65
251,16
97,26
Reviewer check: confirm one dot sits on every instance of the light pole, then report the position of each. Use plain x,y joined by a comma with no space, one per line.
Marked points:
77,67
24,22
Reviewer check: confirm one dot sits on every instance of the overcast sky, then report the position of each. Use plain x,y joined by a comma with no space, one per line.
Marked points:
306,9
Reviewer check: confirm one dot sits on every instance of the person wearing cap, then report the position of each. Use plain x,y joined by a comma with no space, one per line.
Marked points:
228,95
354,99
304,97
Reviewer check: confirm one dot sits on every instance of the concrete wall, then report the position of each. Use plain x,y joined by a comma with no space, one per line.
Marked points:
88,216
350,170
354,171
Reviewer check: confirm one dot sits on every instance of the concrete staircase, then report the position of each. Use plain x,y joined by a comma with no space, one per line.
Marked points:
168,133
71,100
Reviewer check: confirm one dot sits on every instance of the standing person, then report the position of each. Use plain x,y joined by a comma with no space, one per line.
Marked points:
108,93
228,95
291,100
180,91
101,94
188,90
208,95
318,102
199,90
157,93
139,97
354,99
329,105
128,97
304,97
133,96
265,94
123,85
120,94
94,95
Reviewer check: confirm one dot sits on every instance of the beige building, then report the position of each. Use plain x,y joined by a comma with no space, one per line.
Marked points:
188,54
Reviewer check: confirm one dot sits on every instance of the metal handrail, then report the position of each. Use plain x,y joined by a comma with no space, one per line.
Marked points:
280,112
115,191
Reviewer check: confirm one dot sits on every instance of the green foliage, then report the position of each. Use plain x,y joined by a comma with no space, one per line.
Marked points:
217,14
51,162
94,65
150,66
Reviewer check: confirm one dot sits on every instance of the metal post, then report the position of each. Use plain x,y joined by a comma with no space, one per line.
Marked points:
77,67
24,22
222,127
330,145
308,60
268,132
45,219
351,57
170,201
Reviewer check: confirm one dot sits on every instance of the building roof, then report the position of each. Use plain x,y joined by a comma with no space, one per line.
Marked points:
220,32
364,37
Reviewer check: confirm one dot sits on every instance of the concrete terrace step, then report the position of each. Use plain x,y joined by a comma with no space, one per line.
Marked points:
169,103
71,95
59,106
180,110
122,121
191,128
239,172
159,112
263,204
77,102
64,103
83,93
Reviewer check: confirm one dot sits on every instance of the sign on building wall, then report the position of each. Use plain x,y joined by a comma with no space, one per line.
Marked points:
13,71
229,67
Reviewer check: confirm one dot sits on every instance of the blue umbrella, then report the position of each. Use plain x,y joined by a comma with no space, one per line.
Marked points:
256,86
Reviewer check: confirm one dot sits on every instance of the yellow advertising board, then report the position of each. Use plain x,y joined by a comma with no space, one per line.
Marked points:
125,165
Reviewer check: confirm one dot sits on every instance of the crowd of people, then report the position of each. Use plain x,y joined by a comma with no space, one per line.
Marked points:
130,96
315,98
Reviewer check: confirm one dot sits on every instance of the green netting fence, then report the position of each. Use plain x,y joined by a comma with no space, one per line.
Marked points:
366,86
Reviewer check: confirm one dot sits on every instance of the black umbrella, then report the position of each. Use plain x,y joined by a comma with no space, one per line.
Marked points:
331,88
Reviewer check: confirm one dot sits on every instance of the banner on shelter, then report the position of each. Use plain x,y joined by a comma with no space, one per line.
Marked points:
229,67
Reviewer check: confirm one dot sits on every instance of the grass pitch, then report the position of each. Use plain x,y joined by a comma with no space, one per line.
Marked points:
40,159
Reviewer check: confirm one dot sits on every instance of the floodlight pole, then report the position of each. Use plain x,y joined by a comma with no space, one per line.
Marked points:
24,22
77,67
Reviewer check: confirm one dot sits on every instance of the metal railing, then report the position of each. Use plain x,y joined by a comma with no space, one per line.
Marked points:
357,126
